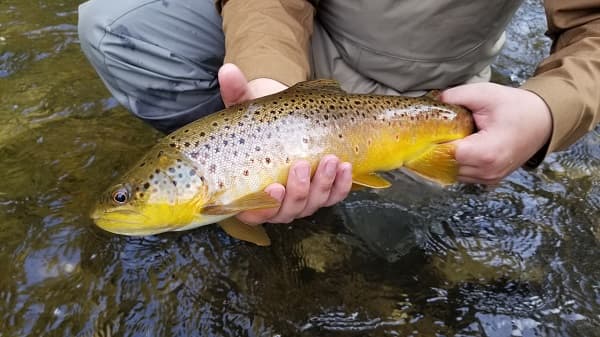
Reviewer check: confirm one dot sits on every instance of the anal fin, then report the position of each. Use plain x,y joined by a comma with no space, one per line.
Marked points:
241,231
436,163
371,180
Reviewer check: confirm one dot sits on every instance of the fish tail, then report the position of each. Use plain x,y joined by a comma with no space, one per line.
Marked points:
437,163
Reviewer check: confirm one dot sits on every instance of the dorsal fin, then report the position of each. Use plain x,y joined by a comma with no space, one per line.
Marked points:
319,85
434,94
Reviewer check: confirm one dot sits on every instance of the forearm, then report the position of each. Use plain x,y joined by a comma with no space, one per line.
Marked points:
268,38
569,79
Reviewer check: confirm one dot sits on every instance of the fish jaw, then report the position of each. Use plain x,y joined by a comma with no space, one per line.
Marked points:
125,223
152,218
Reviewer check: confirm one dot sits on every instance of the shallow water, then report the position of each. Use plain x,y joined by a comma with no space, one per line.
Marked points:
519,260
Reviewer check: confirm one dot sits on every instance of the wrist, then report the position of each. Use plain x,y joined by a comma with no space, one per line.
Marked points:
541,109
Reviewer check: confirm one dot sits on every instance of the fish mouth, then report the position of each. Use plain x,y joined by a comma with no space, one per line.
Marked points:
126,222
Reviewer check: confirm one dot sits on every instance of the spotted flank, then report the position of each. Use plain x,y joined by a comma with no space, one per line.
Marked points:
218,166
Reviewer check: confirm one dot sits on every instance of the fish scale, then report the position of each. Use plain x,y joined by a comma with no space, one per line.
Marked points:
235,153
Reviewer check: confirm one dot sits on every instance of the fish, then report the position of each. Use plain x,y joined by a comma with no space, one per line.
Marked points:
210,170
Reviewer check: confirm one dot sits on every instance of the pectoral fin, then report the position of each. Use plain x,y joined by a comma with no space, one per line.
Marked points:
437,164
251,201
371,180
244,232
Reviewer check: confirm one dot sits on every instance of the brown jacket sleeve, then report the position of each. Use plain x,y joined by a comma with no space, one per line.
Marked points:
269,38
569,79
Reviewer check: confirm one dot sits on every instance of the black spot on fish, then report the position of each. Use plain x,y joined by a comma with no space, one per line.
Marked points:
215,124
225,142
172,170
157,171
246,172
268,160
186,130
146,185
174,183
192,172
172,145
186,144
242,141
142,164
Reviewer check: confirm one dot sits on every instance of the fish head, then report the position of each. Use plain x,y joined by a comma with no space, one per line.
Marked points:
160,193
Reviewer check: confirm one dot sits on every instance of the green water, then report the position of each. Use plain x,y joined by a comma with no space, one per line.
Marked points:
520,260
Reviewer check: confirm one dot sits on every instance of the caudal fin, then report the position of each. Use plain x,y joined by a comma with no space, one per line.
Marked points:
437,164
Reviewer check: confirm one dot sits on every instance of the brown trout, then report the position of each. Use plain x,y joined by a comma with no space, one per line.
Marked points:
218,166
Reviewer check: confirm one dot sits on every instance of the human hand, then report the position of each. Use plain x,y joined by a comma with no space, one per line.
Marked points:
236,89
513,124
302,195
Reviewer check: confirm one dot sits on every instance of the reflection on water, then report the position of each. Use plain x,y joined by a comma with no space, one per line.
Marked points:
519,260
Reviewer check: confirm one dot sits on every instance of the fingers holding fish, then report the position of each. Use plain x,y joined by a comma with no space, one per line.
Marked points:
330,184
341,186
320,186
296,194
513,125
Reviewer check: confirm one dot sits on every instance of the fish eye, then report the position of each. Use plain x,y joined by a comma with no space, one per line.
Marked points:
120,196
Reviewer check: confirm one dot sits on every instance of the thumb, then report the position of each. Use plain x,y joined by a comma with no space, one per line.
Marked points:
233,84
474,150
473,96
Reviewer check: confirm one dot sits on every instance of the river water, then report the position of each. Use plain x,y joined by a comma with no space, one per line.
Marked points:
519,260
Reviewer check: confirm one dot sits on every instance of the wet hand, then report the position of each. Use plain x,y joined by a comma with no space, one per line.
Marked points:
303,195
513,124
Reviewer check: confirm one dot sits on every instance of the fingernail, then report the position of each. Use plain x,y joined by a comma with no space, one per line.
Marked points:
330,168
346,168
302,172
277,193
